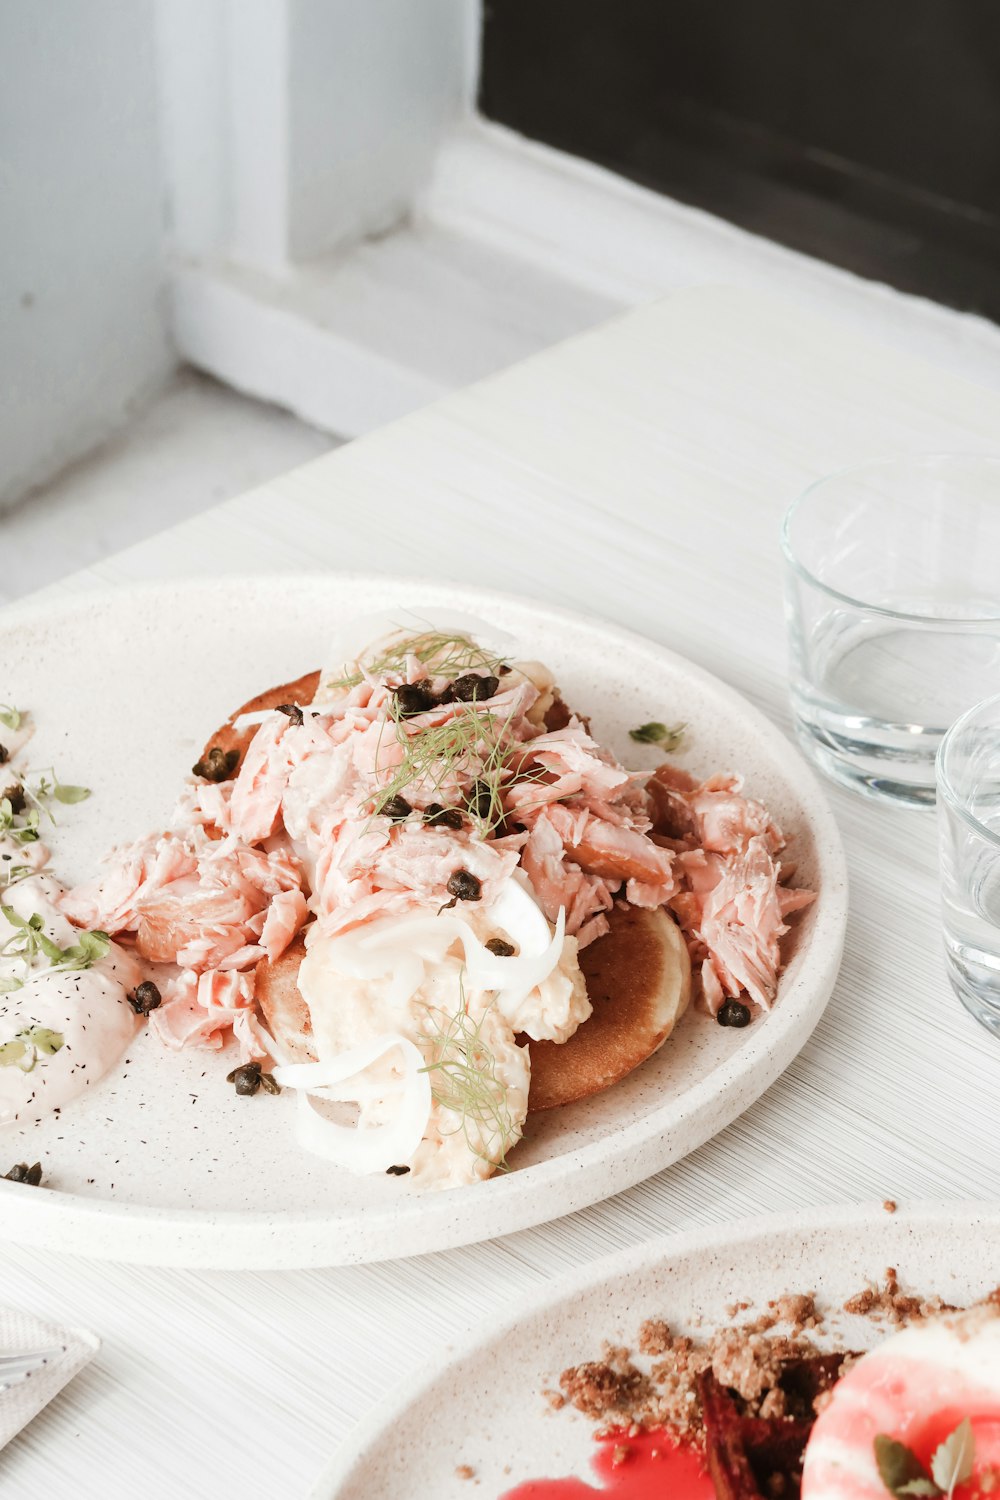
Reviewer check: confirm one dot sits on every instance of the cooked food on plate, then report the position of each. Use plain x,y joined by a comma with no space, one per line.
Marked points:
775,1405
416,893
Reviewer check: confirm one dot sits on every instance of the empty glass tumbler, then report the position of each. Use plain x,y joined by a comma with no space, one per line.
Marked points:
968,779
893,608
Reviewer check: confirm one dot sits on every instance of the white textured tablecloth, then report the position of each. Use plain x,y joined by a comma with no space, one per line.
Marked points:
67,1350
639,472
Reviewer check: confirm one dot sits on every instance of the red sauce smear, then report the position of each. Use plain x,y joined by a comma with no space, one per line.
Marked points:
647,1467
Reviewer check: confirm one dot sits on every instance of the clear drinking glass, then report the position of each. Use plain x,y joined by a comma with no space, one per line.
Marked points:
968,781
893,608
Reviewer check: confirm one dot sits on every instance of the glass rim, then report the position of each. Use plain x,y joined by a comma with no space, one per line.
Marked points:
866,466
944,785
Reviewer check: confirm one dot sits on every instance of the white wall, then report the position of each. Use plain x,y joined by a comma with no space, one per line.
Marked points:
292,128
376,86
82,331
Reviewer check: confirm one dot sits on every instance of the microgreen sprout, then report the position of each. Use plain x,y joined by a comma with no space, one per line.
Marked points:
43,792
464,1081
11,717
23,829
29,941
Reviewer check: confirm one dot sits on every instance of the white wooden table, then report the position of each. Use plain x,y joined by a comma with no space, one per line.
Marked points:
639,472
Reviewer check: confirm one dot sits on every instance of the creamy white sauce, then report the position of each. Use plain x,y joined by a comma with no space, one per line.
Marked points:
86,1007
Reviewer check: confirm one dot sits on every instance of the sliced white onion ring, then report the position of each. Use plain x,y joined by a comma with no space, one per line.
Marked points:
399,949
361,1148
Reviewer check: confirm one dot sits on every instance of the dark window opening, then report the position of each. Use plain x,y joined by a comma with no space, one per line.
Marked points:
864,132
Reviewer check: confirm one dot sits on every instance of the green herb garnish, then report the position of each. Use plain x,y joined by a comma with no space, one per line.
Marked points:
667,736
473,742
464,1080
12,717
24,1049
448,656
87,951
29,940
23,829
43,792
903,1474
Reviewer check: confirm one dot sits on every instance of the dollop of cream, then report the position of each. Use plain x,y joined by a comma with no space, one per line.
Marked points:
87,1008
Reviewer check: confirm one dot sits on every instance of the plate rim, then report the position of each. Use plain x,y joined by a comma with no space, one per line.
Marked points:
736,1234
254,1236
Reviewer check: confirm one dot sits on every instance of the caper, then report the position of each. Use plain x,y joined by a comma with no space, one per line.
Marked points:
480,799
465,886
471,687
145,998
732,1013
217,765
436,816
501,947
413,698
293,711
23,1173
396,809
248,1078
396,1171
15,796
245,1078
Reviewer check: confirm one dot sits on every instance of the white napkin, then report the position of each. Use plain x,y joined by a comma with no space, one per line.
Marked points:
20,1333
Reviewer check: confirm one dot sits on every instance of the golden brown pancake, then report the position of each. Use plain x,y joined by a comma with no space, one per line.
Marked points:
639,983
638,979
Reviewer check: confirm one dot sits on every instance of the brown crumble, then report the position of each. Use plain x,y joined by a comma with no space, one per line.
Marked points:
893,1305
465,1471
746,1359
620,1455
889,1205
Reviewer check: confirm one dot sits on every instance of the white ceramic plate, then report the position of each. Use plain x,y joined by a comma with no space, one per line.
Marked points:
163,1163
480,1403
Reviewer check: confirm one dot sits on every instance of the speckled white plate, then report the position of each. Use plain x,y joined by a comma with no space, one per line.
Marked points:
163,1163
480,1403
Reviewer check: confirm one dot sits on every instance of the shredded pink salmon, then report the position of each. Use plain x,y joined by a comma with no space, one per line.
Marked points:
299,833
730,900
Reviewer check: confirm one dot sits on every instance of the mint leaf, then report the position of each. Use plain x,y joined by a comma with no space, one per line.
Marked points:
951,1464
899,1466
